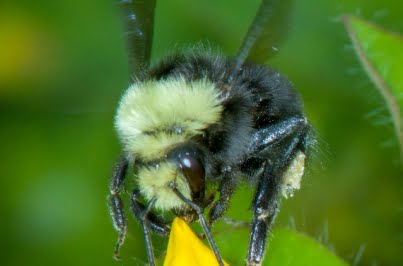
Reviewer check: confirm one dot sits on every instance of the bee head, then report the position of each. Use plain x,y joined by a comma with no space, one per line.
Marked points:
157,122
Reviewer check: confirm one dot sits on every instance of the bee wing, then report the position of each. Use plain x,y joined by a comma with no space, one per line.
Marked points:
138,19
274,26
265,34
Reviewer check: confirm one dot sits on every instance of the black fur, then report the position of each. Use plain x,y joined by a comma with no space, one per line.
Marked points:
257,97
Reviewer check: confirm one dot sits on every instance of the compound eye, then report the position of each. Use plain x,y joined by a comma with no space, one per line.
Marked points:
193,171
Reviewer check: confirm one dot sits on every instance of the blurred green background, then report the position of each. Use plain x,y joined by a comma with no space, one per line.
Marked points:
63,68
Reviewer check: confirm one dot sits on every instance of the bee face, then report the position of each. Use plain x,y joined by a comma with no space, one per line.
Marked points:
183,167
158,123
154,182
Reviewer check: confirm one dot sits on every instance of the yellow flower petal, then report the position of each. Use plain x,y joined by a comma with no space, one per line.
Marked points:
185,248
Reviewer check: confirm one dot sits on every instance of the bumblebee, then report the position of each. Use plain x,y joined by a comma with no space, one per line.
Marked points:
197,124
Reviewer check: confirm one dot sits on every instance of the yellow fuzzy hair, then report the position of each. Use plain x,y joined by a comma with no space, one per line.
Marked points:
153,182
155,115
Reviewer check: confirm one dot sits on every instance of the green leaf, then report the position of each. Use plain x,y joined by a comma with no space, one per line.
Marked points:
381,54
285,247
291,248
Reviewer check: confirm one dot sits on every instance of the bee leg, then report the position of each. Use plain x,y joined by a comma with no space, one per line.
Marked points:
202,220
265,138
154,223
143,218
227,189
265,208
266,201
115,203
